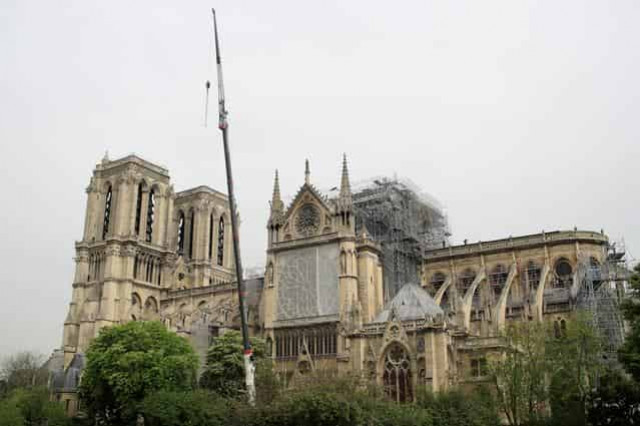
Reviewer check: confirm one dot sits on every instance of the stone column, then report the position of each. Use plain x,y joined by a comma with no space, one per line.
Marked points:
89,228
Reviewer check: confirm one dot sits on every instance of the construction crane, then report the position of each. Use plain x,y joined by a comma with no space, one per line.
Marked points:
223,125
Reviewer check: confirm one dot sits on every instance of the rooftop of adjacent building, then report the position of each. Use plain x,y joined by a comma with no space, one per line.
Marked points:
519,242
412,302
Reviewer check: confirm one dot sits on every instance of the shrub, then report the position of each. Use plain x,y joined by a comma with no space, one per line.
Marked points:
31,408
193,408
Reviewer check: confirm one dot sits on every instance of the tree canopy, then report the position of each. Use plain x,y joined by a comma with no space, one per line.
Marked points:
630,351
545,368
23,370
125,363
224,371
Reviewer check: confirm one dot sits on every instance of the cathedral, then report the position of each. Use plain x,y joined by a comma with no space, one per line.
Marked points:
356,281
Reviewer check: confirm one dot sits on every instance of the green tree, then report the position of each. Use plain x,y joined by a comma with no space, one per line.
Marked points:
630,352
126,363
574,359
23,370
616,401
545,369
224,370
519,373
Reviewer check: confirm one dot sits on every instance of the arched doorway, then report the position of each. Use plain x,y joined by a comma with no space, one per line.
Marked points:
396,376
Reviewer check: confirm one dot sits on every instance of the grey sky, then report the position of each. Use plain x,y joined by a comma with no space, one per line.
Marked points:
518,116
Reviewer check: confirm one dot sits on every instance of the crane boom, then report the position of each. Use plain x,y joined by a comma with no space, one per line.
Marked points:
249,367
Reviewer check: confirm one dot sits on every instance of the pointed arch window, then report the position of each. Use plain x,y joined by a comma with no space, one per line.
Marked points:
397,374
107,213
563,274
139,209
191,222
181,234
221,241
151,213
437,281
534,273
211,236
466,280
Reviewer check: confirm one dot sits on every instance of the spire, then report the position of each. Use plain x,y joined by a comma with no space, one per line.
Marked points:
307,173
345,186
276,200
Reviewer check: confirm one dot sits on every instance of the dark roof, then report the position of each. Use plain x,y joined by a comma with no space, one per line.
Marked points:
69,379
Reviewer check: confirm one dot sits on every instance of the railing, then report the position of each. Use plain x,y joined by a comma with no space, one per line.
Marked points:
517,242
199,291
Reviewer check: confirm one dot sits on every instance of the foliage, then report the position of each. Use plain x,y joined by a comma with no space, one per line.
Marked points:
544,371
224,370
31,407
574,361
630,351
126,363
195,408
328,402
519,375
23,370
457,408
616,401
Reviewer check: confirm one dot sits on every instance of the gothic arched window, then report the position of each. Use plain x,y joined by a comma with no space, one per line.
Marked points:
139,208
181,234
533,275
191,222
466,279
437,280
498,279
221,241
211,236
151,207
397,374
595,272
107,213
563,274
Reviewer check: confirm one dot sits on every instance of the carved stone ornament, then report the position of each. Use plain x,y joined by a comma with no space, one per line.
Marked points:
307,220
394,329
92,186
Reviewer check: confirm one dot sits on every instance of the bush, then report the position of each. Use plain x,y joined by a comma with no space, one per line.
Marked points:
195,408
31,408
457,408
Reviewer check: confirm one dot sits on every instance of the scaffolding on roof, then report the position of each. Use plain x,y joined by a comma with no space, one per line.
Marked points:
404,221
602,288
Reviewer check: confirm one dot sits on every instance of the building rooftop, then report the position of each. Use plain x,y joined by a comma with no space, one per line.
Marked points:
412,302
524,241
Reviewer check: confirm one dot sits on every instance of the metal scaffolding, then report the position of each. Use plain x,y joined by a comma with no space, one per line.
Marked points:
404,221
602,287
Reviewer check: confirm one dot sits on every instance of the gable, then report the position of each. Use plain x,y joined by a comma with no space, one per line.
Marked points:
309,214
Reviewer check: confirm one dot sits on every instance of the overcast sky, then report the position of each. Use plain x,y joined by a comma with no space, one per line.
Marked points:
518,116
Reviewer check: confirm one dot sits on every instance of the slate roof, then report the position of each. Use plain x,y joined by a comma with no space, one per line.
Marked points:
412,302
69,379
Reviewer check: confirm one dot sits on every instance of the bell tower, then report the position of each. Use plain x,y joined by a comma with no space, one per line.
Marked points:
123,250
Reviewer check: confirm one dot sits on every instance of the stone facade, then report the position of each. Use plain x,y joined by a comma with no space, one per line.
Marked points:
148,253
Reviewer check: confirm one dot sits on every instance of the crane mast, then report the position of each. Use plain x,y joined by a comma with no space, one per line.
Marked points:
223,125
